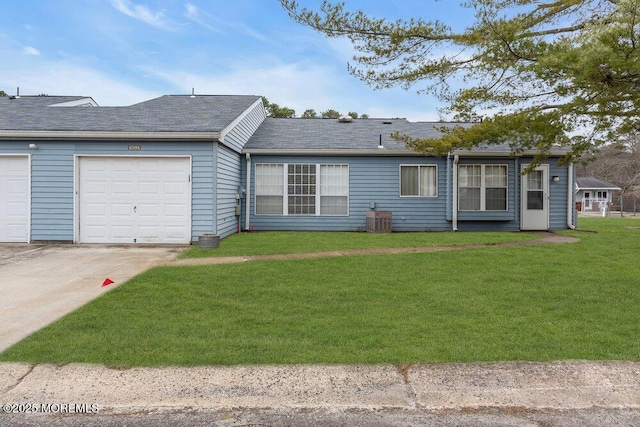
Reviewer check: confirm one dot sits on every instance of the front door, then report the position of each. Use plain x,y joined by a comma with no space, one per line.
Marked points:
535,199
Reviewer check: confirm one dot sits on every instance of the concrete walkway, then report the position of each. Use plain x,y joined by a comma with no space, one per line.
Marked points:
558,385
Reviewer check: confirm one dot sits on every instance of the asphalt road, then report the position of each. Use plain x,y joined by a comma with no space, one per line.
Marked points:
513,417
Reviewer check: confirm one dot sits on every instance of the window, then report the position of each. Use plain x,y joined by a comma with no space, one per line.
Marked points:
302,189
602,195
269,189
482,187
301,181
334,190
418,181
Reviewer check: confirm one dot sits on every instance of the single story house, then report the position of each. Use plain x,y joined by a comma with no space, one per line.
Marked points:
593,194
173,168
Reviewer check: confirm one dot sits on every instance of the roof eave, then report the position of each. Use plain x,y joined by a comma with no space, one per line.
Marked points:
387,152
108,135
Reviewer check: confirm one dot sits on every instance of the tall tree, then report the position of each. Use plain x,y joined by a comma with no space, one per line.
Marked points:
330,114
274,110
309,114
617,163
536,71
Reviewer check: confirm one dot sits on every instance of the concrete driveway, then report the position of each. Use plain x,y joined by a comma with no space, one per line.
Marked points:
41,283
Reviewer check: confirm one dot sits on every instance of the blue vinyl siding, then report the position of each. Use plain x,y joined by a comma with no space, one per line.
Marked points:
377,179
52,181
239,133
371,179
52,192
228,185
558,196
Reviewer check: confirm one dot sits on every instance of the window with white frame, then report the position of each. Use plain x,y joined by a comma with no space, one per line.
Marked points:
269,189
482,187
418,181
334,190
302,189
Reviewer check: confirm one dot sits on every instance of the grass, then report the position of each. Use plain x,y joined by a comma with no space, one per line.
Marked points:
536,303
275,242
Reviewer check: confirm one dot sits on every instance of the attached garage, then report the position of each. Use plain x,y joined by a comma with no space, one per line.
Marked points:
14,199
133,199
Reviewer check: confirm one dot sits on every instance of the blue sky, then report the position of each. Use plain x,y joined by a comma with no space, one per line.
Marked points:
125,51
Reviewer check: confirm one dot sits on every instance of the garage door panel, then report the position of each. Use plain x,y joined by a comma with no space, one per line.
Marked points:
138,208
146,188
14,199
149,210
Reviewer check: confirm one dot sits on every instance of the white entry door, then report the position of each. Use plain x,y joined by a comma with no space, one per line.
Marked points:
535,199
134,200
14,199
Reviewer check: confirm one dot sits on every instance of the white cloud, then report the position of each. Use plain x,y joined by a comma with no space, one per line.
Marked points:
143,13
70,79
31,51
198,16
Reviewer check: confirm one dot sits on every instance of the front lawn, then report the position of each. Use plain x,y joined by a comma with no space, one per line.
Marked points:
289,242
536,303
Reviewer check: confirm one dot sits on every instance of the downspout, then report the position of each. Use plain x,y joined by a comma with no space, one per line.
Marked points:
247,204
448,200
454,199
570,204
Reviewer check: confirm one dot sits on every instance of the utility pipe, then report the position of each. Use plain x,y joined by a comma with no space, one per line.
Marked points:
454,201
247,203
570,204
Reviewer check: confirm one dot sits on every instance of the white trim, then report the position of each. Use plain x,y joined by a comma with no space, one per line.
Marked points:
391,152
433,165
70,135
483,187
318,195
247,196
545,195
239,119
83,102
454,201
76,185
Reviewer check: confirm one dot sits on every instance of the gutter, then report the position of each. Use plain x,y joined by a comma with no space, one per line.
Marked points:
454,199
107,135
386,152
247,204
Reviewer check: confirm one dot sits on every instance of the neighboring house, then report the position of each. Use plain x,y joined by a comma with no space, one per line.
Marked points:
593,195
171,169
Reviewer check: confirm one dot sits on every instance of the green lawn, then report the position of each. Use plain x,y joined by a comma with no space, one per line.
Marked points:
537,303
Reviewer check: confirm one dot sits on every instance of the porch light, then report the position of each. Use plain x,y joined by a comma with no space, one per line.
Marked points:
556,178
32,146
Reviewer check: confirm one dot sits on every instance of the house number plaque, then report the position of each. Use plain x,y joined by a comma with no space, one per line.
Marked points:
135,148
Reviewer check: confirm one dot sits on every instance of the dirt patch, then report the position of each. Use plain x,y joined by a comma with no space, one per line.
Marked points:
544,238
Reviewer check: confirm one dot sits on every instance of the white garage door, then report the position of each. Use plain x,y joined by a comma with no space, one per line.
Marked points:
14,198
134,200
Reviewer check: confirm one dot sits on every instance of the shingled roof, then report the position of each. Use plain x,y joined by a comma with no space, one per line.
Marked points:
285,135
169,113
590,183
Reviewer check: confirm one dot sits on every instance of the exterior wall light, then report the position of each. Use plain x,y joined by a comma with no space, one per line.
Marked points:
556,178
33,146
